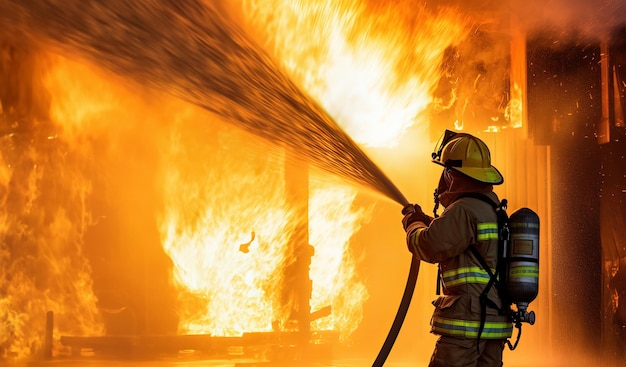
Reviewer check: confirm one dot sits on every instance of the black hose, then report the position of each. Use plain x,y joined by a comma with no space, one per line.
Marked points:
402,310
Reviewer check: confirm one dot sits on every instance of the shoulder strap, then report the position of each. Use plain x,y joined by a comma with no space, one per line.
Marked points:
482,197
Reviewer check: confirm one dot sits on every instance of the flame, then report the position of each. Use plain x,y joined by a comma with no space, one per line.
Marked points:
514,110
373,66
336,281
226,224
45,198
223,197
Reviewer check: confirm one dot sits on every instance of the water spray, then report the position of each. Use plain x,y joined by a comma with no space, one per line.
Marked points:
195,51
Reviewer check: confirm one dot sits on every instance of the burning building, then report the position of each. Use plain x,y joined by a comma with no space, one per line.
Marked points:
167,185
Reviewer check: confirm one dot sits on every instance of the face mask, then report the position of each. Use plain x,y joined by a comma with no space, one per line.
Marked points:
447,175
444,182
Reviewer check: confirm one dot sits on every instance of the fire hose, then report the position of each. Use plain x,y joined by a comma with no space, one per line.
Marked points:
400,314
402,309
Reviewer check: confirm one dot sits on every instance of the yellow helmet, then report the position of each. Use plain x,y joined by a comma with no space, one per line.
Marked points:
469,155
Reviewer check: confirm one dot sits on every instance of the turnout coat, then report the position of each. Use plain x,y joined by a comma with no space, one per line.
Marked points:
465,222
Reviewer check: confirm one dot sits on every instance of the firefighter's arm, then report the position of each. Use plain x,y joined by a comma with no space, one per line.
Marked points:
446,236
414,213
414,219
412,232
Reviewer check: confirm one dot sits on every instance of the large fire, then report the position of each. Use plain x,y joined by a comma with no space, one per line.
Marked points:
356,66
220,209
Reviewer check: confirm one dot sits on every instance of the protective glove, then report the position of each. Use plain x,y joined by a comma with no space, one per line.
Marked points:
413,213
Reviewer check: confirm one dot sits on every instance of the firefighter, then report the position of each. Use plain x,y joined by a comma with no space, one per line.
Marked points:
470,334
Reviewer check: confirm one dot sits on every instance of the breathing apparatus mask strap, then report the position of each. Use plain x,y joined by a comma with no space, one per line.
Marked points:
442,187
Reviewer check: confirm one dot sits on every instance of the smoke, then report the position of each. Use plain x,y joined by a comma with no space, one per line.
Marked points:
589,18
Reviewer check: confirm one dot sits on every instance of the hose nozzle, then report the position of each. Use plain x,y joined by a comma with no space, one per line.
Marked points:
409,208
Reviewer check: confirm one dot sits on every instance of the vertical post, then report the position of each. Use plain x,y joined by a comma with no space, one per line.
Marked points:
298,284
47,346
604,130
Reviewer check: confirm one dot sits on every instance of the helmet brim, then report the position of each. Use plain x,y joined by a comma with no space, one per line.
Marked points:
489,175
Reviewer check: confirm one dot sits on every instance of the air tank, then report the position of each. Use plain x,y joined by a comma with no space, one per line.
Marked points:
523,257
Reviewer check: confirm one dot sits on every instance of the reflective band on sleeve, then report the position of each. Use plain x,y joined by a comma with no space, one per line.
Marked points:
465,275
469,329
487,231
413,240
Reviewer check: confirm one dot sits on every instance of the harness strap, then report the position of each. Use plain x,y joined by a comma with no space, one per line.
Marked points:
484,299
438,290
